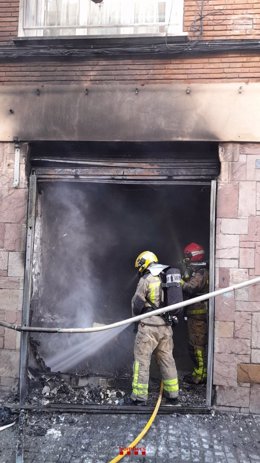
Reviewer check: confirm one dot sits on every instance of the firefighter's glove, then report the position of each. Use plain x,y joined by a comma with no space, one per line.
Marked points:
182,282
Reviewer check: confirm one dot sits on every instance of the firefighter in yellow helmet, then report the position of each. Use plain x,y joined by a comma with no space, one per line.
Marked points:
195,282
154,334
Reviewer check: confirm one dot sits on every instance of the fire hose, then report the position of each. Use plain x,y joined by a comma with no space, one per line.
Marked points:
144,430
169,308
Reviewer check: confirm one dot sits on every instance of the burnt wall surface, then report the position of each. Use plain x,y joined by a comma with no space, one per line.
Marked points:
89,236
230,67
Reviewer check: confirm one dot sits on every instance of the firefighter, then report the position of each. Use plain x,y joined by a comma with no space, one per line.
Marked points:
154,334
195,282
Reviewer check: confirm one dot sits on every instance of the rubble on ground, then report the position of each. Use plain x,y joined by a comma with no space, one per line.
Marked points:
49,388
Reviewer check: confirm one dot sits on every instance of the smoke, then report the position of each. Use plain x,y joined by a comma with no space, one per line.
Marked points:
88,237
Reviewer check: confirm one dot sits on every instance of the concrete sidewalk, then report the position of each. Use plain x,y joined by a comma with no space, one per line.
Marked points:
84,438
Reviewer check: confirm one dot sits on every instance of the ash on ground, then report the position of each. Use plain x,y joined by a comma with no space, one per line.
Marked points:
50,388
45,389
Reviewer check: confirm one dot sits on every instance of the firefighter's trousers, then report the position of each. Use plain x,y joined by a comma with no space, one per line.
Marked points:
198,338
157,340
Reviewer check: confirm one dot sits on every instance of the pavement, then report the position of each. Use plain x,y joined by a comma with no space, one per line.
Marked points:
54,437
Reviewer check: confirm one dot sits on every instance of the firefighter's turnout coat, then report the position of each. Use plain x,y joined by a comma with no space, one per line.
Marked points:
153,336
197,317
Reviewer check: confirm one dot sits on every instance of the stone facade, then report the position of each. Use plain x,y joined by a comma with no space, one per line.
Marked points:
237,314
13,205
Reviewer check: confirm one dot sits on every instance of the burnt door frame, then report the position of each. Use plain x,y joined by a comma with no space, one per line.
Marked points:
31,216
42,174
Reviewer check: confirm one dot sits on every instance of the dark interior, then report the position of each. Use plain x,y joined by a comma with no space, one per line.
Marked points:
91,235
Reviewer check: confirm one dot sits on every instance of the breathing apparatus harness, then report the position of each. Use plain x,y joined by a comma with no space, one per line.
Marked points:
169,319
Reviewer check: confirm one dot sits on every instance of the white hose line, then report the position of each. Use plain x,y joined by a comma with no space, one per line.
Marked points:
137,318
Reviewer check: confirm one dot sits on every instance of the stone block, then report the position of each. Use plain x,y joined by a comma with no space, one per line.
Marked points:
254,292
228,253
9,382
11,316
234,226
225,370
233,346
13,206
255,355
247,306
10,299
3,260
227,200
253,230
247,199
233,396
256,330
225,307
248,373
11,283
242,325
227,242
228,263
242,294
247,258
1,342
258,196
14,237
252,172
224,277
249,149
2,234
254,406
224,330
16,264
238,275
229,152
238,171
9,363
10,339
246,244
257,259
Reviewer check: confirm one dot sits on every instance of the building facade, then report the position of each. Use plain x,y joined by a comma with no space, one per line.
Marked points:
77,72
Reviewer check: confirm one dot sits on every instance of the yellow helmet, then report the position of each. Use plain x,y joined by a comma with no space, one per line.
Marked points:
144,260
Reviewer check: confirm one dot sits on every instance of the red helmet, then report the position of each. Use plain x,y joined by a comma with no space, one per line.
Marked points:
195,252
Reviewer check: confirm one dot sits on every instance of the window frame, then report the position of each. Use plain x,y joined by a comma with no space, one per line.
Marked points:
174,29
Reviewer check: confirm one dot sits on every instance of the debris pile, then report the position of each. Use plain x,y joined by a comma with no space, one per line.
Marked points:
48,389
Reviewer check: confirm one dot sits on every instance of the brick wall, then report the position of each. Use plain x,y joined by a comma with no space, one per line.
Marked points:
222,19
237,333
9,13
12,242
227,68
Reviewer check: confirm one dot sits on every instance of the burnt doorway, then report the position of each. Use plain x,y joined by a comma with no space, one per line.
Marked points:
91,223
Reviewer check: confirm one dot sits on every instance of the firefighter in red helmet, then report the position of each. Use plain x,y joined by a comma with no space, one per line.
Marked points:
195,282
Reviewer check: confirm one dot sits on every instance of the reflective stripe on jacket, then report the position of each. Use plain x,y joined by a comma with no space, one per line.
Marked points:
149,287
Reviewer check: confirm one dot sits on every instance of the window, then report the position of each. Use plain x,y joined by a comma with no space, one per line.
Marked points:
100,17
